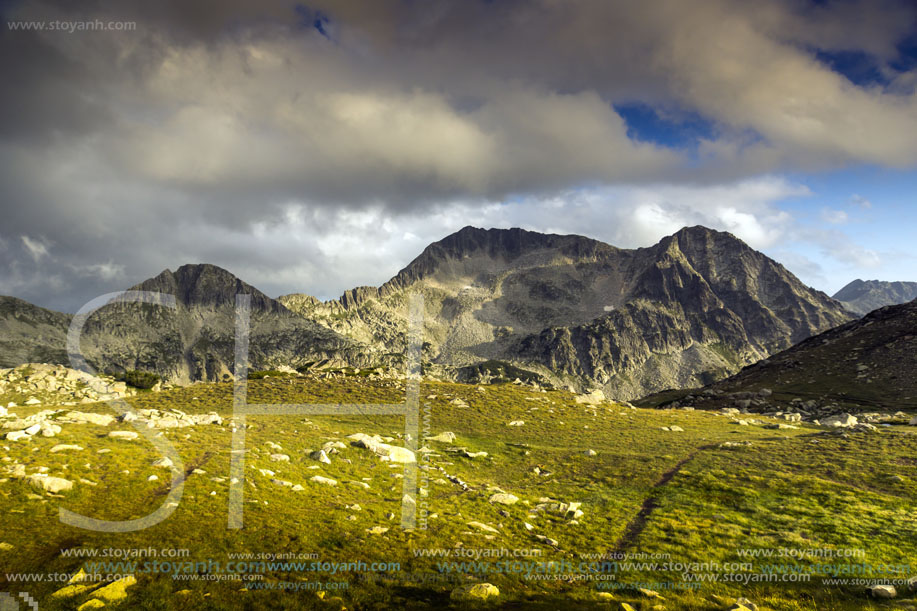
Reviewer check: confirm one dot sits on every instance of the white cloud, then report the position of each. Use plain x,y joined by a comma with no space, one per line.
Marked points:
36,247
834,217
860,201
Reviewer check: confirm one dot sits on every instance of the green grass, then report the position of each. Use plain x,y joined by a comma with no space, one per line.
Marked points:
789,489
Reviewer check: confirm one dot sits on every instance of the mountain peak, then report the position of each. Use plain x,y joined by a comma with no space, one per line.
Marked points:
207,285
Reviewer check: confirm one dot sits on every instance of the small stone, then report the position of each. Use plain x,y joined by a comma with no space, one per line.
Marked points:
280,458
6,547
590,453
318,479
516,423
377,530
320,456
447,437
164,462
483,527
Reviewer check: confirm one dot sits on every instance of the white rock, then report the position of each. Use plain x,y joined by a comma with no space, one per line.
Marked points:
63,447
280,458
126,435
16,435
32,430
320,456
516,423
590,453
883,591
164,462
152,478
447,437
840,421
33,401
51,484
318,479
484,527
504,498
89,418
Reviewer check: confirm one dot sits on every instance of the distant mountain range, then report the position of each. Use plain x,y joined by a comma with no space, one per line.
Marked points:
694,308
864,296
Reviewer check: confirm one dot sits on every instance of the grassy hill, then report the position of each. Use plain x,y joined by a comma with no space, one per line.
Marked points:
714,493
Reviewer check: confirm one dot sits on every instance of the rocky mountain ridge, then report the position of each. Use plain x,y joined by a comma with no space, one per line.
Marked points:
695,307
691,309
864,296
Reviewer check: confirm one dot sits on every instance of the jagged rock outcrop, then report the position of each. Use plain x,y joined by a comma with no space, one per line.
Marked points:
864,296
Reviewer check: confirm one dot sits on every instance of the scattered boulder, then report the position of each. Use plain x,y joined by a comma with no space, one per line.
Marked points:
504,498
126,435
883,591
280,458
840,421
447,437
320,456
65,447
318,479
89,418
482,526
516,423
590,453
475,592
50,484
377,530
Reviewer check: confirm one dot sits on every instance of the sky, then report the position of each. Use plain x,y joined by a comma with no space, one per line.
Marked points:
313,147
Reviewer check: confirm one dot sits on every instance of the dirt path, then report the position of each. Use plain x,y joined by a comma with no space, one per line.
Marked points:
635,527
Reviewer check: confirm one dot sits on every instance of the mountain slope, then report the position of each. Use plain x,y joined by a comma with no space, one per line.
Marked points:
30,334
695,307
863,296
866,364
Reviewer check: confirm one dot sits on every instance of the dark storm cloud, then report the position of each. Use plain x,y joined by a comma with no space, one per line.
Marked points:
262,136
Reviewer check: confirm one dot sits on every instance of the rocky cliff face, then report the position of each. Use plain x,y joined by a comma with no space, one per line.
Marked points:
864,296
694,308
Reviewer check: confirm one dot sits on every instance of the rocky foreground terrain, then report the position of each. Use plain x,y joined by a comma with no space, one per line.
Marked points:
527,498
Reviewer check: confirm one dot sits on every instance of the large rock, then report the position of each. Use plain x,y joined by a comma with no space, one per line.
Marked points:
476,592
504,498
883,591
50,484
385,451
89,418
844,421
